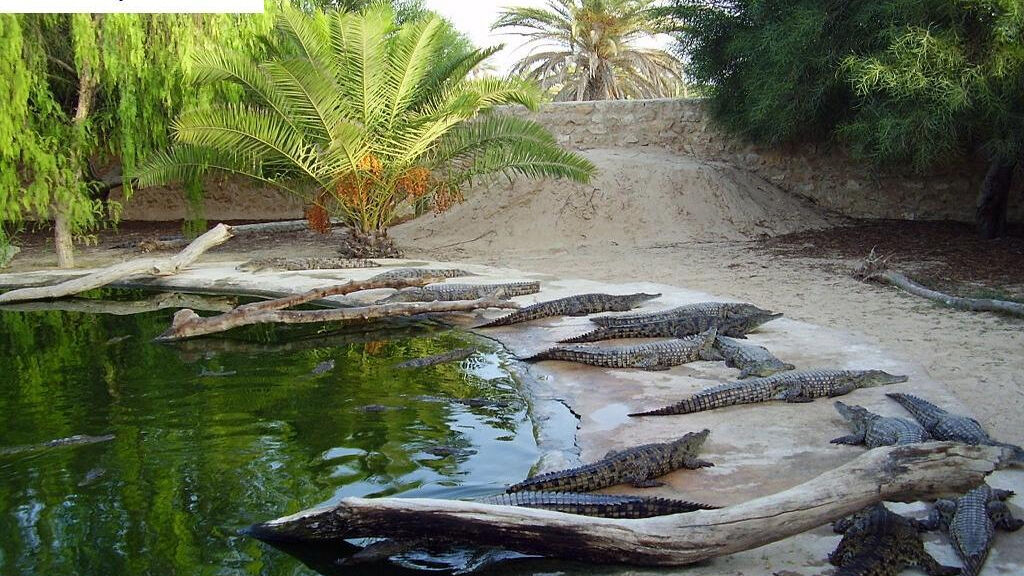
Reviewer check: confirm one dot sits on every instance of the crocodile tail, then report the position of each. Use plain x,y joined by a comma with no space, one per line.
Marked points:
548,354
503,321
925,412
686,406
592,336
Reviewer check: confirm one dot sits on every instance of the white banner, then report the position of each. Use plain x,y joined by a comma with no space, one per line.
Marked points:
135,6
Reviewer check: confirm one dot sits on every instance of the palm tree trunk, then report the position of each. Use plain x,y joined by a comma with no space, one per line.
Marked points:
993,199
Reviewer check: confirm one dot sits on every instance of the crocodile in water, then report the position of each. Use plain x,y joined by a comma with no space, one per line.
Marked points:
878,542
799,386
873,430
313,263
76,440
751,359
638,466
943,425
451,292
719,309
971,521
655,356
601,505
736,326
578,305
457,354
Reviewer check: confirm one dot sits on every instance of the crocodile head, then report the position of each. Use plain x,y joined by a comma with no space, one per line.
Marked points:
872,378
686,448
856,415
639,297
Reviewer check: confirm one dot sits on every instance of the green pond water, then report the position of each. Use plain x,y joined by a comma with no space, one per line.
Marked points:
212,435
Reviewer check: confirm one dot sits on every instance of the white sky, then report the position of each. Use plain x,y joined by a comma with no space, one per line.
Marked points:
474,18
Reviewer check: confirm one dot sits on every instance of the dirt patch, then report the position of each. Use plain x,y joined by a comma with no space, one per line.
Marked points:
947,256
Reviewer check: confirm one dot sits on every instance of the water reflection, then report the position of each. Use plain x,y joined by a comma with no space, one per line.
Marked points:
213,435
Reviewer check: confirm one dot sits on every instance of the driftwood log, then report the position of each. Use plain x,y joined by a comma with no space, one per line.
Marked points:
899,473
153,266
188,324
875,268
159,301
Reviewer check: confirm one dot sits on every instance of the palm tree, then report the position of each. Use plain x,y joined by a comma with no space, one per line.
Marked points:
362,118
586,50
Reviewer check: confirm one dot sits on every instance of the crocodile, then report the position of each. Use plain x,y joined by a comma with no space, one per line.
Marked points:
943,425
452,292
879,542
313,263
601,505
578,305
719,309
752,360
736,326
971,521
655,356
799,386
414,273
457,354
638,466
76,440
873,430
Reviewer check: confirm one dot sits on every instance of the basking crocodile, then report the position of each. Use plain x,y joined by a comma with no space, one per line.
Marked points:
601,505
578,305
638,466
971,521
314,263
800,386
457,354
751,359
719,309
943,425
451,292
878,542
413,273
736,326
655,356
873,430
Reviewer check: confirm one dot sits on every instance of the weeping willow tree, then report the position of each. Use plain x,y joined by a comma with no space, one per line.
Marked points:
361,117
84,90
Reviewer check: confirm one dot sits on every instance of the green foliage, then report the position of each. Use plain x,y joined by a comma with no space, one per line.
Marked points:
587,49
88,89
905,82
359,116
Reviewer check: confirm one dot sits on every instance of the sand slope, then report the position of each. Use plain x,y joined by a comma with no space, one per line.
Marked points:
642,197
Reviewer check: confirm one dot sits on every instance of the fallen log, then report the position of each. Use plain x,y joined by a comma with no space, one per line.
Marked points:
900,473
159,301
875,268
188,324
154,266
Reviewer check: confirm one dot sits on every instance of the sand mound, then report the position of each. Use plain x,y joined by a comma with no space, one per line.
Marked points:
640,198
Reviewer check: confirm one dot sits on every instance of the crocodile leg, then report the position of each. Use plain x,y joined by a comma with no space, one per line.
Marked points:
1001,516
650,362
1000,494
795,394
694,464
931,566
851,439
940,515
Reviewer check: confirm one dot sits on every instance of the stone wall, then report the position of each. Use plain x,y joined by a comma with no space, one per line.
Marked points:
820,173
